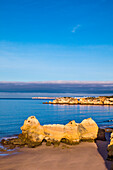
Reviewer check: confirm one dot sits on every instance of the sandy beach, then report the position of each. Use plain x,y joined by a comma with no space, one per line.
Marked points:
84,156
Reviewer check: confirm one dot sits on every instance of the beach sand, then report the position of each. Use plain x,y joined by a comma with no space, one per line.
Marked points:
84,156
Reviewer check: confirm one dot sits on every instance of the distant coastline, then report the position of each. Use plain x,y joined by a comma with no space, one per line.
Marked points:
30,98
15,98
44,97
101,100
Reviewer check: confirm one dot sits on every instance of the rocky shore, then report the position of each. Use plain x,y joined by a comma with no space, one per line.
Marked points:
106,100
33,134
83,135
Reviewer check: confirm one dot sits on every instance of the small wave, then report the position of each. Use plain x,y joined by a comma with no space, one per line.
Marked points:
105,121
106,126
4,154
6,138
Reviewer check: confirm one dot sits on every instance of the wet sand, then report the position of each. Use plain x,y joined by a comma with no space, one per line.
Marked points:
85,156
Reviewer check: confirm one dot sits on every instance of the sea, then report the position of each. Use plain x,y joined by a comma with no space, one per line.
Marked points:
16,107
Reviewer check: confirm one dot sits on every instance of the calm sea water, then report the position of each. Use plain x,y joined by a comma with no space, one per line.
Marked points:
13,112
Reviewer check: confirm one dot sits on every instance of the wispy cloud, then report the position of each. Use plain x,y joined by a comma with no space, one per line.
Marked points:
75,28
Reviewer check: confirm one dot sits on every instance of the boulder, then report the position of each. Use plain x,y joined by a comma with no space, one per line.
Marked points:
110,148
88,129
101,134
32,129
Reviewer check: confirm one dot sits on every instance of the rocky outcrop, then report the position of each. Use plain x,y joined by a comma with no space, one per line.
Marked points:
83,101
110,148
58,132
33,134
101,135
65,100
32,129
88,129
72,131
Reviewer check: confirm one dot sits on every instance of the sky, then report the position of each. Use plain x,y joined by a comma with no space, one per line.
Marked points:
46,40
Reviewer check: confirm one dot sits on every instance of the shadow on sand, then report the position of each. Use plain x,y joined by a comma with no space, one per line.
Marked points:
102,149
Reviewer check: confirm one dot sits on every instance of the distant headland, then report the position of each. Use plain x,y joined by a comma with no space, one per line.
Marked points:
44,97
101,100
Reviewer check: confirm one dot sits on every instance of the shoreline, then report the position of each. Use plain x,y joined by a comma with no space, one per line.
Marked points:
83,156
101,100
78,104
86,155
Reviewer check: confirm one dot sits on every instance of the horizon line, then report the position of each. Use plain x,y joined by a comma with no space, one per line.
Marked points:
58,82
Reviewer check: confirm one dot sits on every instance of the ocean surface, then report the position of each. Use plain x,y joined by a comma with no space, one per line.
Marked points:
13,112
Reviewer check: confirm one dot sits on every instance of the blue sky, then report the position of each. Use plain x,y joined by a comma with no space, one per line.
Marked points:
56,40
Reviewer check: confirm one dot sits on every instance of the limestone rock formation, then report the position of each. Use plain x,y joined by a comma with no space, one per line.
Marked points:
58,132
33,134
88,129
110,148
73,132
65,100
83,101
32,129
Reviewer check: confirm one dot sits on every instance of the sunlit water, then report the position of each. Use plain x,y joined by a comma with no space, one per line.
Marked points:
13,113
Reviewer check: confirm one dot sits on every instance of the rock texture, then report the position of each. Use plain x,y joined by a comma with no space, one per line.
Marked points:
88,129
73,132
110,148
33,130
33,134
108,100
65,100
101,134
